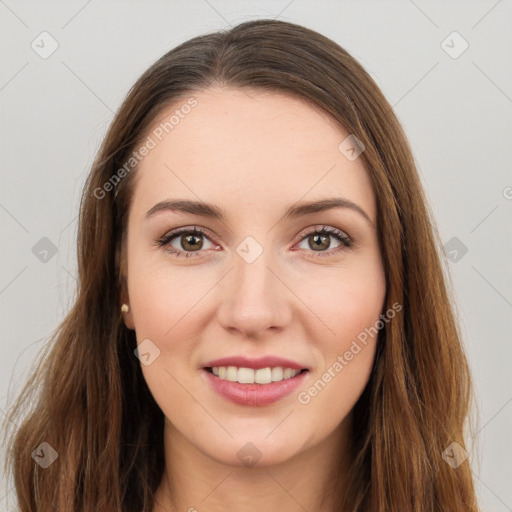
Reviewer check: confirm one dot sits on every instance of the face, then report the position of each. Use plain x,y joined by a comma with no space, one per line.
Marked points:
253,294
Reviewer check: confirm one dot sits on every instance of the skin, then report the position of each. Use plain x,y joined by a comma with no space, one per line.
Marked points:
253,153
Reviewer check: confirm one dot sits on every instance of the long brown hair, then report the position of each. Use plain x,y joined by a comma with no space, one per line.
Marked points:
88,399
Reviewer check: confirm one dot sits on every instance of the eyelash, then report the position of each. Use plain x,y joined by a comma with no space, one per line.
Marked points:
346,241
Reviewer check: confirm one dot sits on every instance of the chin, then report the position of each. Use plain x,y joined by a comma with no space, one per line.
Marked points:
252,451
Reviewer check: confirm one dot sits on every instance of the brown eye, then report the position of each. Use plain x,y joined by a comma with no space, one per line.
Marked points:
319,241
188,241
191,242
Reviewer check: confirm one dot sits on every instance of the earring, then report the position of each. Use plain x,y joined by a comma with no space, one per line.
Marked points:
125,308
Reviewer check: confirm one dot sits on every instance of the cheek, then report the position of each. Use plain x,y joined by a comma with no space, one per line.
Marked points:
349,305
345,358
166,308
332,394
164,298
346,301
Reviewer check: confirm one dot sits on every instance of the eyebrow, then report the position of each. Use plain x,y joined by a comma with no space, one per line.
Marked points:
295,210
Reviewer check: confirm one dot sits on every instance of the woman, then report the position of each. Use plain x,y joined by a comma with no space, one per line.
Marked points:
262,320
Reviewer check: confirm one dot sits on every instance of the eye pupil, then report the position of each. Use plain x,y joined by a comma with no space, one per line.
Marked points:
192,247
319,239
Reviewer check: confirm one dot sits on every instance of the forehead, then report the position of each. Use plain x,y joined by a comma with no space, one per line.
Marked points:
244,149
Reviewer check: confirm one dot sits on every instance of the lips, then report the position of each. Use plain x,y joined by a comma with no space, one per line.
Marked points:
256,363
254,382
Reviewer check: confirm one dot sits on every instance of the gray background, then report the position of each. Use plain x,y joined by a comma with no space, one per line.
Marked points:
455,111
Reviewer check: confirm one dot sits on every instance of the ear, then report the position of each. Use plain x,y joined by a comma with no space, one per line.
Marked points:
128,316
125,299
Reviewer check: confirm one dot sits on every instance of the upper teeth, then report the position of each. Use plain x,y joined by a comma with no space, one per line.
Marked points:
251,376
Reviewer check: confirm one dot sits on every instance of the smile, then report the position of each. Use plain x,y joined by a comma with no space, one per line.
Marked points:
253,387
253,376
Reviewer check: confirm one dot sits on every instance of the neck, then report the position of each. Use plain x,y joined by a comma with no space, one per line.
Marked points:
311,480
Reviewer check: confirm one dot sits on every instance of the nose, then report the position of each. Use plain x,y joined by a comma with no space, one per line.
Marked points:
255,297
